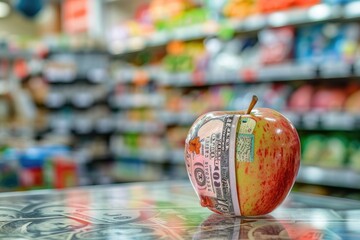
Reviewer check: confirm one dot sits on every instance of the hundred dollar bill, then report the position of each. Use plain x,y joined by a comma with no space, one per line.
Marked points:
210,161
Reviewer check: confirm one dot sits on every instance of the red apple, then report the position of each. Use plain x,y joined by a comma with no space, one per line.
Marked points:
221,227
242,163
263,227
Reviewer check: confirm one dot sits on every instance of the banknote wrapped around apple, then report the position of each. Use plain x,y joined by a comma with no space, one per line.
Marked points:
242,163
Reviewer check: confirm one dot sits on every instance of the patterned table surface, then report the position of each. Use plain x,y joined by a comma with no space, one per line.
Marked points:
166,210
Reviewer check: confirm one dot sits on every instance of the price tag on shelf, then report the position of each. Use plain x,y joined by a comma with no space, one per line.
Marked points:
303,71
196,31
338,121
184,33
297,16
269,73
183,79
335,69
159,38
213,77
311,120
162,77
287,71
254,22
278,19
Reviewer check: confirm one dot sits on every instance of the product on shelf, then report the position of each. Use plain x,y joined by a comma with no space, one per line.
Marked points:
240,9
169,15
301,99
276,45
327,43
164,10
56,71
60,172
329,99
183,57
38,167
273,6
38,88
312,148
276,96
330,151
234,55
352,103
334,152
322,98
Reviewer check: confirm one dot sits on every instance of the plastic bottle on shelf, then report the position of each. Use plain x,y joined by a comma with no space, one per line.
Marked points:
334,153
312,148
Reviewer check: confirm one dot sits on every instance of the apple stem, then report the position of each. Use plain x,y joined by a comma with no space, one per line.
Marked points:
252,104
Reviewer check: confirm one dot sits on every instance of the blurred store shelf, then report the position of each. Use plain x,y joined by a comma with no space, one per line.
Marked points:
176,156
292,17
16,54
126,101
304,121
155,155
344,178
177,118
271,73
329,120
82,100
130,171
145,127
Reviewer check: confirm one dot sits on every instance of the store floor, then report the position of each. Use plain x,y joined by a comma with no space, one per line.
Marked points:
166,211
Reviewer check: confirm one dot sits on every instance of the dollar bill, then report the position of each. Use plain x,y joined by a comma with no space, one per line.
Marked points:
208,161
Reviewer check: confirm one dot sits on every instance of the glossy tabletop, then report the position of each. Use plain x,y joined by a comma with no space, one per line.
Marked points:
168,210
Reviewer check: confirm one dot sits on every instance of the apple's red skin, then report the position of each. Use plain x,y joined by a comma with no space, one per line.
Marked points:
263,184
264,181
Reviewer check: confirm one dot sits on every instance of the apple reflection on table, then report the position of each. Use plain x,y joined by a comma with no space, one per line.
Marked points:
218,226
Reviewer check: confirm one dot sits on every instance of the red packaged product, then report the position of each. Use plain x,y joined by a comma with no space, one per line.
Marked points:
276,45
